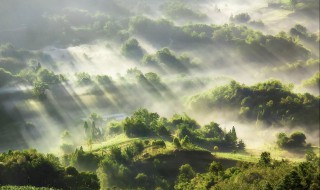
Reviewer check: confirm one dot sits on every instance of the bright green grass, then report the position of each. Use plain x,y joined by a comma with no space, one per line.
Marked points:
237,156
119,140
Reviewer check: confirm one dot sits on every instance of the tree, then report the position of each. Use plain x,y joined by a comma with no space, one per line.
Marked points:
291,181
215,167
213,131
39,89
185,141
186,173
47,76
241,145
310,155
132,49
234,134
176,142
298,138
265,159
83,78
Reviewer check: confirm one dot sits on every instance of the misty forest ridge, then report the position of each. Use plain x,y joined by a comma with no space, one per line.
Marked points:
148,94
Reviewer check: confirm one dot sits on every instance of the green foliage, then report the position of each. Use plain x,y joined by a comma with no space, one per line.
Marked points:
296,140
115,128
241,18
83,78
278,175
270,102
132,49
176,142
166,60
35,169
213,130
48,77
215,167
179,10
84,161
185,142
159,143
186,173
141,179
207,136
114,169
39,89
265,159
104,80
144,123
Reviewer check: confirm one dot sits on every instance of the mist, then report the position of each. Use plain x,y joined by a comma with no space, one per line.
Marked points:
81,36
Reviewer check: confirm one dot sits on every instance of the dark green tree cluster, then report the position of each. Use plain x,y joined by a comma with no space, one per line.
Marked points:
296,140
188,132
132,50
209,136
84,161
83,78
142,123
249,44
35,169
166,61
303,33
270,102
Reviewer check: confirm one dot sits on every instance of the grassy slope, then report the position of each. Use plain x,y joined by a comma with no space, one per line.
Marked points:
250,155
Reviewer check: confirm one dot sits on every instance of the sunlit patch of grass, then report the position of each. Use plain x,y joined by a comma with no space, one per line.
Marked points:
246,157
118,140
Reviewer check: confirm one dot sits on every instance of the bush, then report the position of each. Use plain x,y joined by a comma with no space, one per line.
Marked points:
159,143
295,141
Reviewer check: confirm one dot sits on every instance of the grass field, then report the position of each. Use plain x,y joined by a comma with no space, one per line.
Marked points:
237,156
119,140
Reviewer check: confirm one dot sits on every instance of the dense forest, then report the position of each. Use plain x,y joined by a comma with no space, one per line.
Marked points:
173,94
